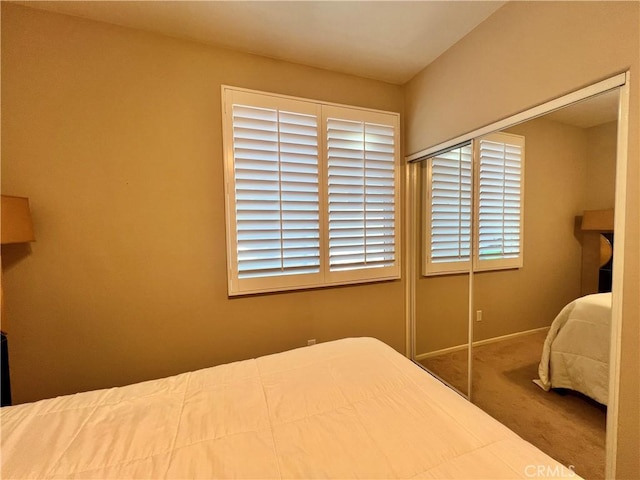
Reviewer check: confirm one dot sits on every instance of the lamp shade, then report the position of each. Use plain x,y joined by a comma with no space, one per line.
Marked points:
16,220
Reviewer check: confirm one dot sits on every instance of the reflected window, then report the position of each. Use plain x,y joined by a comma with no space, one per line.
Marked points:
493,198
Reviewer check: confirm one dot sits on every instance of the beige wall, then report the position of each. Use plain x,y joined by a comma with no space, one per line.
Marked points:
115,136
442,312
524,299
523,55
601,166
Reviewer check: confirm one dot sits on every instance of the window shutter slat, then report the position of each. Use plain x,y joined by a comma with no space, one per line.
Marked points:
361,194
450,205
276,179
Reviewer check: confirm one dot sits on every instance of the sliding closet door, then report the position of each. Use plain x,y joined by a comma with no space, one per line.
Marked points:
443,239
534,248
538,197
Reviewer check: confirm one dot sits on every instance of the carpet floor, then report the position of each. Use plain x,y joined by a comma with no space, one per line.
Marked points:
565,425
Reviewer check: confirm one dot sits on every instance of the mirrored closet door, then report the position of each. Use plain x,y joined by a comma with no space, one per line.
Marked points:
442,284
537,322
513,228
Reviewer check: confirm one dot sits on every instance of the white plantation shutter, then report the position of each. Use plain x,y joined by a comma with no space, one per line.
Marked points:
311,193
448,208
361,194
500,195
276,192
496,202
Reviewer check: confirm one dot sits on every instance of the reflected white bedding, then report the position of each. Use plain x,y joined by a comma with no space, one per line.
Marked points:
353,408
576,351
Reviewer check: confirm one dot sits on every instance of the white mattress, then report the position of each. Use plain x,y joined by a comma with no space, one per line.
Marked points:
353,408
576,351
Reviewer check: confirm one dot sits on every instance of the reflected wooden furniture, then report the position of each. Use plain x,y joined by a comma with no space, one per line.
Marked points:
597,249
5,387
16,220
15,227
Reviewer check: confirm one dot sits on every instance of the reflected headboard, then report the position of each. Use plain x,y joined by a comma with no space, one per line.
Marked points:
596,233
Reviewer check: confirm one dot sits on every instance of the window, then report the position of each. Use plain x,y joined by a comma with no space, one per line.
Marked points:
499,201
495,204
448,211
311,193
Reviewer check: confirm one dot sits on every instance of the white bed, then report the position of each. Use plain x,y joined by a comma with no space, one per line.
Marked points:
353,408
576,351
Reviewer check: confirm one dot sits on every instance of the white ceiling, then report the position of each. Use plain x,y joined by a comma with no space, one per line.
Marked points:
589,113
384,40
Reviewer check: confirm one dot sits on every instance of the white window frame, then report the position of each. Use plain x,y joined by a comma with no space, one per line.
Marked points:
325,277
430,268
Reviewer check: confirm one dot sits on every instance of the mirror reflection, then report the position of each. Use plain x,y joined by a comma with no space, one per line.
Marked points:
442,289
540,282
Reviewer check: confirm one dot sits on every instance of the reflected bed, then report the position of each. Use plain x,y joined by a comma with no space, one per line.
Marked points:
576,351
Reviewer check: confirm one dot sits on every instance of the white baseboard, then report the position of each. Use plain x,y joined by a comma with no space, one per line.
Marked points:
478,343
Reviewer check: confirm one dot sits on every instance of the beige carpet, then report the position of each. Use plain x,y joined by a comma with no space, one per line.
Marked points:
569,427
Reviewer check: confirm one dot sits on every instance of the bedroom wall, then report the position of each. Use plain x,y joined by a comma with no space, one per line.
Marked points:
601,166
115,135
524,299
523,55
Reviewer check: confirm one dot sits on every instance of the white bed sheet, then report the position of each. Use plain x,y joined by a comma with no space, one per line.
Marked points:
353,408
576,351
